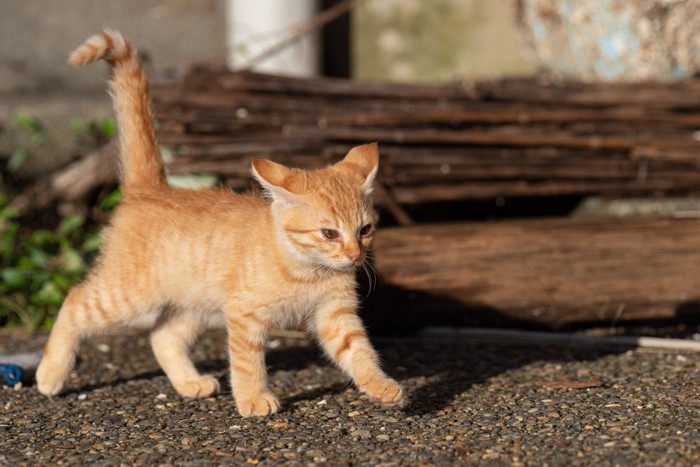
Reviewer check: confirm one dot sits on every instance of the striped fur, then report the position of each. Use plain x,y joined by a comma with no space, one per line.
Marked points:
189,257
129,89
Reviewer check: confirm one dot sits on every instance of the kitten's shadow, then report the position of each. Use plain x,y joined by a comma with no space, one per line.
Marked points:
434,372
441,372
86,388
446,368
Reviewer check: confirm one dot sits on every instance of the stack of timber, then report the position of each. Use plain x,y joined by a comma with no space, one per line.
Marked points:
473,141
477,141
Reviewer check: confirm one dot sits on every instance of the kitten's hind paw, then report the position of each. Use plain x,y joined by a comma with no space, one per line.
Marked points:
50,380
260,405
202,387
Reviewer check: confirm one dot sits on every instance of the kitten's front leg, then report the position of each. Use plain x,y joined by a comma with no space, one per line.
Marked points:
246,339
343,337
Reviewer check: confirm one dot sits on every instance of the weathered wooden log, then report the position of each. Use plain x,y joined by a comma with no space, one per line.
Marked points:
464,141
543,272
74,182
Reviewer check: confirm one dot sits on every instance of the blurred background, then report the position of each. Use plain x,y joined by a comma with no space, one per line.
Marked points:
539,157
390,40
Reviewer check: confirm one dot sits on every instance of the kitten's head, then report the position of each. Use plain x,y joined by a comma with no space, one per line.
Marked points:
325,217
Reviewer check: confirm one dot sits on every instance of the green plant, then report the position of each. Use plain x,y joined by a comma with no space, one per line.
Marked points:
39,267
39,264
34,137
93,132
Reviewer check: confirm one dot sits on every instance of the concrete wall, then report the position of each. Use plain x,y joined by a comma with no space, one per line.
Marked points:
406,40
436,40
36,37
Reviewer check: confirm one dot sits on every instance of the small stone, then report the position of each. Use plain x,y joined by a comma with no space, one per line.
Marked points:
278,424
186,441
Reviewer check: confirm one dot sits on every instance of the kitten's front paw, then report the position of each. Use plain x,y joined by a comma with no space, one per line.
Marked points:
202,387
49,380
387,391
260,405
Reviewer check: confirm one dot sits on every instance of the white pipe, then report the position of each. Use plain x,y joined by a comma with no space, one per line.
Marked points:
256,25
546,338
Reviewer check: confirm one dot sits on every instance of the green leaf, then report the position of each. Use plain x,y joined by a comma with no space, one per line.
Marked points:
18,158
61,281
8,213
72,262
108,127
47,324
42,238
69,225
25,264
12,278
92,243
38,257
111,201
28,123
49,295
37,279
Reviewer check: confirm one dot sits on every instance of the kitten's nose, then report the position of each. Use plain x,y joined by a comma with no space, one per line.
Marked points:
353,254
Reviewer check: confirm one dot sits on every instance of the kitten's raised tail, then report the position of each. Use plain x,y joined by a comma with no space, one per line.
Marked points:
141,164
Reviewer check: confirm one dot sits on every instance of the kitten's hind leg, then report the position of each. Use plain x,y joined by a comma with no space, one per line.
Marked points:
87,309
173,335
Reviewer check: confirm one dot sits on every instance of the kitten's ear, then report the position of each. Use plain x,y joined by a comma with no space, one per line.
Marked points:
276,180
364,161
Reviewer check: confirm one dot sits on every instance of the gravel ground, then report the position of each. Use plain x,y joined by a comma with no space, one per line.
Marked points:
479,403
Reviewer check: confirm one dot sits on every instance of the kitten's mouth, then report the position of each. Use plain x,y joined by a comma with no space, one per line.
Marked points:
350,266
344,267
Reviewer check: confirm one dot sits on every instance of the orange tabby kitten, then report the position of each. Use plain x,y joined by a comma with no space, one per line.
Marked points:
186,255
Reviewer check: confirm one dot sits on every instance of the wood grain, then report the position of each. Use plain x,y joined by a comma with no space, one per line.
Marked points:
553,271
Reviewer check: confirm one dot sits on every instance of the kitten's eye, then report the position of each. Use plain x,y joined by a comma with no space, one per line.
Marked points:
366,230
330,234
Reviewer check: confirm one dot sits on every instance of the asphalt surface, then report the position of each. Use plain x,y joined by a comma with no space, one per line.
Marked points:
472,402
